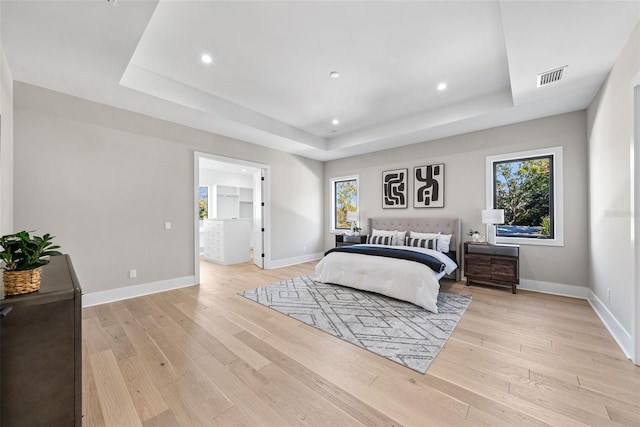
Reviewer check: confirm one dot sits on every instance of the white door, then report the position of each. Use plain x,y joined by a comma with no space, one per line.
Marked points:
258,218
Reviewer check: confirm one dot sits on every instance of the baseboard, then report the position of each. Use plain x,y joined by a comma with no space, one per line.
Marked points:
295,260
617,331
103,297
554,288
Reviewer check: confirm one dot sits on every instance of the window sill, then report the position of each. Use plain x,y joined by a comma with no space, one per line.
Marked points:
531,242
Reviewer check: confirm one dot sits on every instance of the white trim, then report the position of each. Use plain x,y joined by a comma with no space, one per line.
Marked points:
126,292
617,331
572,291
196,218
558,193
635,218
333,198
295,260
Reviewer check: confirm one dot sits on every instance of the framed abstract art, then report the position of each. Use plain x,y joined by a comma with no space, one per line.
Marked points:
428,186
394,189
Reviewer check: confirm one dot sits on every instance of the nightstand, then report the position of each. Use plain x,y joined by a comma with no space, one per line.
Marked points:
492,264
343,240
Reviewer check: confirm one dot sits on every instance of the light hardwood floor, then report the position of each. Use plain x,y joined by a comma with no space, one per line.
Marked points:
205,356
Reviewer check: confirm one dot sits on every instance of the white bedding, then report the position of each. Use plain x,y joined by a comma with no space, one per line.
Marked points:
401,279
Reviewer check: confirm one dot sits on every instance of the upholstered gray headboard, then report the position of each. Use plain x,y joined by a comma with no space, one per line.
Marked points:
451,226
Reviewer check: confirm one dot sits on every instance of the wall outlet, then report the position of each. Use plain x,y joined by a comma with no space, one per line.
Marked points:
608,294
304,249
167,225
133,274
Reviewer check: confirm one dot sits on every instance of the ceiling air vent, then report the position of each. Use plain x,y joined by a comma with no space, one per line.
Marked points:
550,76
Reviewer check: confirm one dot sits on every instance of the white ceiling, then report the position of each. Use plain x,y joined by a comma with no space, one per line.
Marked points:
269,81
230,166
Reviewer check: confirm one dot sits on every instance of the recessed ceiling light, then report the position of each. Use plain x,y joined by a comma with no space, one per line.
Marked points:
442,86
335,122
244,170
334,74
206,58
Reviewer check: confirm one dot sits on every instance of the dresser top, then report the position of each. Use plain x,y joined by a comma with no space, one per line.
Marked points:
58,283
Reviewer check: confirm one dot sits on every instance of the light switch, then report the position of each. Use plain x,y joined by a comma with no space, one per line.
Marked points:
167,225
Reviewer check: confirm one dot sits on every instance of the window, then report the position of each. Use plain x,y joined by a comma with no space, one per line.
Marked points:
203,202
528,186
344,199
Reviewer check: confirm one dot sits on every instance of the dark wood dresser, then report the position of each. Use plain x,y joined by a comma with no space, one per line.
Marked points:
492,264
41,360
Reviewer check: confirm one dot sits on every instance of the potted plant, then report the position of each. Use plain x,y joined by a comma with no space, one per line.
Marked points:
24,256
475,235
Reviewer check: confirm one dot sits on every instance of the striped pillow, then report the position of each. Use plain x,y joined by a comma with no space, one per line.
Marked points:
380,240
422,243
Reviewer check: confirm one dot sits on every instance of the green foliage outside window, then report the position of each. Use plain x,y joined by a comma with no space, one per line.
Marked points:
203,202
203,209
523,188
346,193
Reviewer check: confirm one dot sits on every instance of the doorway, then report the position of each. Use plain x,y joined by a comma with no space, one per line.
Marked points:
233,194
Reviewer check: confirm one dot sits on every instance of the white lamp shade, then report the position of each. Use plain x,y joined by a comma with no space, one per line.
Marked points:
352,216
493,216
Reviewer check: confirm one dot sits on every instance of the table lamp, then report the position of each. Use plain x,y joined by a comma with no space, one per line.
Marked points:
352,217
491,217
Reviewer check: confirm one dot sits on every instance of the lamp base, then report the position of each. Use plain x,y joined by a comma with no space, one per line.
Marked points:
491,234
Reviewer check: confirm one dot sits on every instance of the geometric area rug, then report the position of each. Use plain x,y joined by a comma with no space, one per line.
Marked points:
398,330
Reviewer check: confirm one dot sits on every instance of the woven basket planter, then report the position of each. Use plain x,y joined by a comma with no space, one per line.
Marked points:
21,282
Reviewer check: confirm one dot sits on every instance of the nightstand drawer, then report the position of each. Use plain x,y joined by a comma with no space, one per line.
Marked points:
500,250
477,266
342,240
504,269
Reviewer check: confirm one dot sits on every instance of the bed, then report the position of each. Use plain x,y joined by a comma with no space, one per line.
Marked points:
402,279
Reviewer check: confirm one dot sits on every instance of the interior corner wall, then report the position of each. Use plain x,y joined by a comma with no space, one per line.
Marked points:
104,181
610,124
464,164
6,146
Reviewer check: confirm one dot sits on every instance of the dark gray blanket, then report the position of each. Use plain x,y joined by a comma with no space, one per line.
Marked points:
384,251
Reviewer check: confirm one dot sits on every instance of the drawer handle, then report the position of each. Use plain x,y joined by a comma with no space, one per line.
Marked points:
4,312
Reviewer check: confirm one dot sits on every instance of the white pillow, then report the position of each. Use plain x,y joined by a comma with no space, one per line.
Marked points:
444,240
375,232
400,238
415,235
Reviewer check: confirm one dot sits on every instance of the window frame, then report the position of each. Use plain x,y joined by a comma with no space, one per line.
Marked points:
557,204
334,229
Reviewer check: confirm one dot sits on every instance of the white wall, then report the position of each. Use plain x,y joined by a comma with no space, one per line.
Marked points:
610,133
6,146
104,180
464,160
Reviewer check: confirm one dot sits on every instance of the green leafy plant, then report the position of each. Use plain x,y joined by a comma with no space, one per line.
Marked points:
21,251
546,226
472,232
